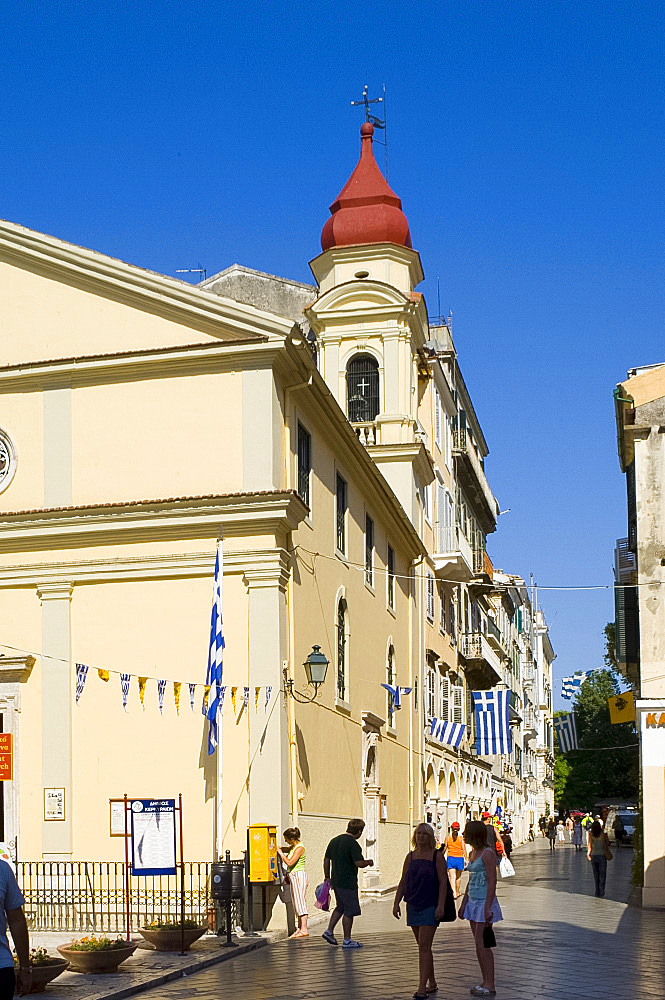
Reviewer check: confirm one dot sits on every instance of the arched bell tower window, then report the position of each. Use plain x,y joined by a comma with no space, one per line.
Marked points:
362,389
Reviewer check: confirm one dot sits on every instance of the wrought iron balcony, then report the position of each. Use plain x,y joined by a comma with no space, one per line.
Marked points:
472,476
481,659
453,559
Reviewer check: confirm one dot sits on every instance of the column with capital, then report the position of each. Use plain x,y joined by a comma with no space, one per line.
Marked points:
57,713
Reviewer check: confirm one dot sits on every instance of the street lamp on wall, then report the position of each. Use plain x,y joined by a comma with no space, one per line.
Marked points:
316,667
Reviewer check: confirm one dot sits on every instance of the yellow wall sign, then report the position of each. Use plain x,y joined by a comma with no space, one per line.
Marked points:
622,708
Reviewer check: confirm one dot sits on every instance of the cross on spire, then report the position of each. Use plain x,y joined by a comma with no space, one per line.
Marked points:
366,101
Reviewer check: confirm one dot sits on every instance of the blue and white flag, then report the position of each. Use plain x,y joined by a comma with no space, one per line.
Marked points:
492,726
81,675
124,686
566,732
161,688
396,694
450,733
570,686
268,693
215,656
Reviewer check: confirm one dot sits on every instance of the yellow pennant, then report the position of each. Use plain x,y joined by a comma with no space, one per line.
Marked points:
142,683
233,697
206,692
622,708
257,692
103,675
176,695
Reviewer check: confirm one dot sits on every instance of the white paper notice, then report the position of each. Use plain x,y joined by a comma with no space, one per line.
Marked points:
153,837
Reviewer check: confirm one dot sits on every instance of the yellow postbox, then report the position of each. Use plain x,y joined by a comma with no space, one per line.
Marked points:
262,851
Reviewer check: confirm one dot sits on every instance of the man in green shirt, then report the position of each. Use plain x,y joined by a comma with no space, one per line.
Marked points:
345,856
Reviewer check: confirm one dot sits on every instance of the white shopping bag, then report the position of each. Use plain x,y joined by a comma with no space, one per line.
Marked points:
506,868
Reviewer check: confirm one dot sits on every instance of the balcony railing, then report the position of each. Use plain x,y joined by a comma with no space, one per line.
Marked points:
368,434
474,646
454,556
463,445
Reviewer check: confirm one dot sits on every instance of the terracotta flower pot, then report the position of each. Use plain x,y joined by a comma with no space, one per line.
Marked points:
46,972
168,938
107,960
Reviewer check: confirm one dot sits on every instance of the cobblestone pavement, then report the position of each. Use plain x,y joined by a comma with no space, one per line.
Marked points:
557,941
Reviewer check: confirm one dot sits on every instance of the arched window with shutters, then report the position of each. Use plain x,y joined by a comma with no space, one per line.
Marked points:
362,389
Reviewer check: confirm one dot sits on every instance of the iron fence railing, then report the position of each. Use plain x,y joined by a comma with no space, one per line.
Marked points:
92,896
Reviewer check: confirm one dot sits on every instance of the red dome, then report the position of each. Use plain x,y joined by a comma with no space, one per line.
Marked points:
366,210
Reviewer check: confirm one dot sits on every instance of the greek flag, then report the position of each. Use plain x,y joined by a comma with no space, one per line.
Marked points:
570,686
450,733
566,732
81,674
396,694
492,728
215,656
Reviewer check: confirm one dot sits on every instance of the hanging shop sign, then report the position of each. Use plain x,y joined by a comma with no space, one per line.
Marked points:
6,757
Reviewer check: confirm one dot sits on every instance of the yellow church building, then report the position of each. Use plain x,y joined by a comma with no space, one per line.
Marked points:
146,424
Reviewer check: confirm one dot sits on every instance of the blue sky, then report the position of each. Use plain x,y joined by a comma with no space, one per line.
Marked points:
526,143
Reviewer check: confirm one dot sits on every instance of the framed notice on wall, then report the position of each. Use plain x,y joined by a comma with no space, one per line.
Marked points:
116,817
54,804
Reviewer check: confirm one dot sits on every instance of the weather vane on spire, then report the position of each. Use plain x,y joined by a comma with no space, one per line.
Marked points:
366,101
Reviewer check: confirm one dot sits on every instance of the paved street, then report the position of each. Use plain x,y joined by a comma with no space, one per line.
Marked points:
558,941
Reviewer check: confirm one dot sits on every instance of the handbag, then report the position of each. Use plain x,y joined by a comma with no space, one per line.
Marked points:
608,853
506,869
449,910
489,938
322,893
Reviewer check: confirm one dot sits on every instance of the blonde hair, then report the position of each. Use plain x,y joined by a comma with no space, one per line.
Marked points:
430,832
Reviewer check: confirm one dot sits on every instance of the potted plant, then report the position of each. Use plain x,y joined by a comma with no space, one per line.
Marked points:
165,935
45,968
97,954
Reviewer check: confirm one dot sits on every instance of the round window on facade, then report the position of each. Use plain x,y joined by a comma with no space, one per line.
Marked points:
7,460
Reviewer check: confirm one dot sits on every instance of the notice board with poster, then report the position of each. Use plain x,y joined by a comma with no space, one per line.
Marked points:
153,837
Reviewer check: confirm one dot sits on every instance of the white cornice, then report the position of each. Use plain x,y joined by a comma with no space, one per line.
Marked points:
249,514
158,363
15,668
258,566
155,293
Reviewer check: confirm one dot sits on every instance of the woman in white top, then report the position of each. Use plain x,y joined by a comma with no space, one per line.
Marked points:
560,832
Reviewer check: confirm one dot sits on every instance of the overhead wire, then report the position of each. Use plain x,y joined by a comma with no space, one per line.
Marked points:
493,585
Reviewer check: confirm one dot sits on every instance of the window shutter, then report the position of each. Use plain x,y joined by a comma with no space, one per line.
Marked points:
444,699
458,711
430,596
437,417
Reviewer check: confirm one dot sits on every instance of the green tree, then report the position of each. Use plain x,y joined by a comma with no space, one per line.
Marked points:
611,771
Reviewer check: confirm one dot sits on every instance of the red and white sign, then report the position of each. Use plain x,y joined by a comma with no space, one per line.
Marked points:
6,769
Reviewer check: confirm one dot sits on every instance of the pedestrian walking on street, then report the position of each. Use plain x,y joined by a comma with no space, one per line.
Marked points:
560,833
598,853
493,836
423,885
345,857
569,827
551,833
11,912
619,831
480,905
578,834
295,864
507,841
456,856
542,825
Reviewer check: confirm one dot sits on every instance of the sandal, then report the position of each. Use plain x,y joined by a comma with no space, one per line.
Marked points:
482,991
431,989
